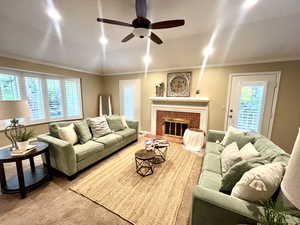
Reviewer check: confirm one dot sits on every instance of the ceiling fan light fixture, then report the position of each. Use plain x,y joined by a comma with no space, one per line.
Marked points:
141,32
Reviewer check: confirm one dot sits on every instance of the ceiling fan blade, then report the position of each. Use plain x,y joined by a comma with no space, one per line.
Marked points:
155,38
128,37
141,8
167,24
114,22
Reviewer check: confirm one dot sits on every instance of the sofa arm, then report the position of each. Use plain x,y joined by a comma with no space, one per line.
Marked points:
134,124
211,207
215,135
62,154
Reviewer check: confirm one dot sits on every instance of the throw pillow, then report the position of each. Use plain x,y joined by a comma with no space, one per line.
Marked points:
99,126
83,131
68,134
230,130
240,139
235,173
115,123
123,120
230,156
249,151
260,183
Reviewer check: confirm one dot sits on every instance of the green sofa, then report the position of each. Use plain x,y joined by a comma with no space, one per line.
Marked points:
212,207
70,159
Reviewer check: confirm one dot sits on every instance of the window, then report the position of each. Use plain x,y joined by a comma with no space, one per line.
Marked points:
50,97
251,106
35,97
55,99
72,89
9,88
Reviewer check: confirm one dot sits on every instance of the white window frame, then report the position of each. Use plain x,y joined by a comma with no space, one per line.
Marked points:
20,74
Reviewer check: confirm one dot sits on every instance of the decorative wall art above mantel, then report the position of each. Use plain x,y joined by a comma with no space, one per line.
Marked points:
179,84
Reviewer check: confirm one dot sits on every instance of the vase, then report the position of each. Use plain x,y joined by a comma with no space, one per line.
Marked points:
23,145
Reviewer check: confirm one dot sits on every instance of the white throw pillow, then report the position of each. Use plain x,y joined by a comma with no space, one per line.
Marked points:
230,130
230,156
259,183
123,120
68,134
99,126
249,151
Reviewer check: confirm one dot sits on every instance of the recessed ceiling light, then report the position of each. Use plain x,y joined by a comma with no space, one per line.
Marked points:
249,3
208,51
147,59
103,40
54,14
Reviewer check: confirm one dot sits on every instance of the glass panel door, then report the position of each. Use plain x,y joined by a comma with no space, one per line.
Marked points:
251,102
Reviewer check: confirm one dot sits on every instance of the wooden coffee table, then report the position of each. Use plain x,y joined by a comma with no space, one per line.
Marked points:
25,180
144,162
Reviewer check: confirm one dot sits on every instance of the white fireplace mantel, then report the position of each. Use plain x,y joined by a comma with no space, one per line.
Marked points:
180,99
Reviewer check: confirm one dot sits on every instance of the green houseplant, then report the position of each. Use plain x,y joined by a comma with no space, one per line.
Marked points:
22,138
273,214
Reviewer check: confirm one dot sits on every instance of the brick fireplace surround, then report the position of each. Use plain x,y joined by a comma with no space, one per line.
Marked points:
194,119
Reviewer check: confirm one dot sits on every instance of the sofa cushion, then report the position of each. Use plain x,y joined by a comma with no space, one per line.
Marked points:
89,148
214,148
68,134
99,126
127,132
230,156
235,173
240,139
115,123
211,180
83,131
109,140
212,162
53,127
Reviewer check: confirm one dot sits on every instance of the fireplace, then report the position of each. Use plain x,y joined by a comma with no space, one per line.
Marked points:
174,127
171,116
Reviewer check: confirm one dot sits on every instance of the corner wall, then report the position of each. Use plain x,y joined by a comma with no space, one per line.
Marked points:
214,84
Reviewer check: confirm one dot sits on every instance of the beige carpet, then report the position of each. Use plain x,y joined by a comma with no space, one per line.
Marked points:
155,199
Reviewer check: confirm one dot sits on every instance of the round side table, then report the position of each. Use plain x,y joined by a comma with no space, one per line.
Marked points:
144,162
25,180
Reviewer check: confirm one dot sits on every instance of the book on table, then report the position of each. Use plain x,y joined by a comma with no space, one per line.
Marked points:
21,152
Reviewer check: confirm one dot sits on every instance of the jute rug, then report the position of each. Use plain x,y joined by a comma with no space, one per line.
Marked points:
155,199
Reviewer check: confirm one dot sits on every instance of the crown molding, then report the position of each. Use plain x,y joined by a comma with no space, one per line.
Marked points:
47,63
200,66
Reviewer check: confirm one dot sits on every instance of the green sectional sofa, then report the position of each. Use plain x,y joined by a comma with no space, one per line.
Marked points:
70,159
212,207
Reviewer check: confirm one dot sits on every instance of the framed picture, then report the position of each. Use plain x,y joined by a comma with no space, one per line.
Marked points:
179,84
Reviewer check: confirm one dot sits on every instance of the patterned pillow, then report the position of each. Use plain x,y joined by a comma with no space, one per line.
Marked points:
99,126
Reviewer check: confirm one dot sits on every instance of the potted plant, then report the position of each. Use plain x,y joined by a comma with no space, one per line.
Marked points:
273,215
22,138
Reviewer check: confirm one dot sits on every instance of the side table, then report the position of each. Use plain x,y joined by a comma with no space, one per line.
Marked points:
25,180
144,162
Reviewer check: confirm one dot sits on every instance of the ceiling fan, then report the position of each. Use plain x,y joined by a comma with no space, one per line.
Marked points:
142,26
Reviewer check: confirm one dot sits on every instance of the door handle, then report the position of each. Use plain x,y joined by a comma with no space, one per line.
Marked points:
230,116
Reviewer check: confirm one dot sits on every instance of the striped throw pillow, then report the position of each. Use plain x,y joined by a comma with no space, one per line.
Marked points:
99,126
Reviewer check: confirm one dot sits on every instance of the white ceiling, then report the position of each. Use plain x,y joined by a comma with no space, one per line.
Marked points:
269,31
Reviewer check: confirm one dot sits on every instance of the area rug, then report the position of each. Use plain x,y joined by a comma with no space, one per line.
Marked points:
154,199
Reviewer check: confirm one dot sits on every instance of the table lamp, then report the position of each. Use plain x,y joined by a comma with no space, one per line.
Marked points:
14,110
290,184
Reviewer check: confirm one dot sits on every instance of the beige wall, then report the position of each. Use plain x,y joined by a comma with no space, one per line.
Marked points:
92,87
214,85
